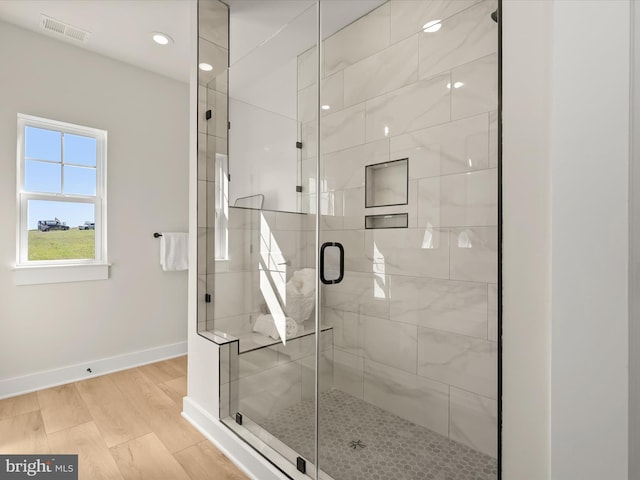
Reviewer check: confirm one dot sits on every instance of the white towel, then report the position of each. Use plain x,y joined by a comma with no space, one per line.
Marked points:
266,325
174,251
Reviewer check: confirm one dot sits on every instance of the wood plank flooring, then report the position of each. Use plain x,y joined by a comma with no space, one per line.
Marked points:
124,426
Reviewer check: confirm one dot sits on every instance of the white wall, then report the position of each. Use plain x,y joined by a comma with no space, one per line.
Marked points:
527,27
590,165
46,327
566,136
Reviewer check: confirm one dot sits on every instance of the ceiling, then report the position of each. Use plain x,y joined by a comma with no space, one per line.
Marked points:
119,29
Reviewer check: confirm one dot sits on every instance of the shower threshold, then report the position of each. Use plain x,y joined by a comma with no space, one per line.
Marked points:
359,441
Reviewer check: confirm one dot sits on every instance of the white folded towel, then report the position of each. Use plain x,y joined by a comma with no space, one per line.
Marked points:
174,251
266,325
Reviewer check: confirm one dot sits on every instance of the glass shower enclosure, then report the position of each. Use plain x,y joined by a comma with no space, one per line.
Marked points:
348,160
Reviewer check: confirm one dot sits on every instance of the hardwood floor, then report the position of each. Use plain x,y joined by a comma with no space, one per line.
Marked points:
126,425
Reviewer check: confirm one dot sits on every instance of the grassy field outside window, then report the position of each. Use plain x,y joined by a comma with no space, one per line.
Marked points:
62,244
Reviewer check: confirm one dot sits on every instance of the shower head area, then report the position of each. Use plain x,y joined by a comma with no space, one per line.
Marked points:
348,157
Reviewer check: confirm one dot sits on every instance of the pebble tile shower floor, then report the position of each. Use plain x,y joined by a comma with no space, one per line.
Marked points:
359,441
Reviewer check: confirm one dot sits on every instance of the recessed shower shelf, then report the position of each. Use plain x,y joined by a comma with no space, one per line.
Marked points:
393,220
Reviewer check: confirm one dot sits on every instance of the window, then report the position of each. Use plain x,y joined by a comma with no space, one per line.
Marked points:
61,194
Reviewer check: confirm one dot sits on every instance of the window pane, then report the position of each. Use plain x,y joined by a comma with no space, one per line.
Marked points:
42,144
79,150
42,177
60,230
79,180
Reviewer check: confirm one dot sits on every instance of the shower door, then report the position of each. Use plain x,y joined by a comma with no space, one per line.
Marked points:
408,186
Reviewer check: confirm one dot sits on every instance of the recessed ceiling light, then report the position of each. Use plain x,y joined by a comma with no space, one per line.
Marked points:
205,67
161,38
432,26
325,107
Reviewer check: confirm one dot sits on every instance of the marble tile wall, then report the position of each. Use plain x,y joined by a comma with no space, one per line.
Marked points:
472,420
360,40
415,319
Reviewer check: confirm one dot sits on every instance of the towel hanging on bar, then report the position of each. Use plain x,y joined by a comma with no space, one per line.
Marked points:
174,251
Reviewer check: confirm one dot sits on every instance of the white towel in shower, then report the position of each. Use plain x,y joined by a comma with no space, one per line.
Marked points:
174,251
266,325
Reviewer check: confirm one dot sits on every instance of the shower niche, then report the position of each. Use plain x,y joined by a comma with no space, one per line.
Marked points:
352,123
387,183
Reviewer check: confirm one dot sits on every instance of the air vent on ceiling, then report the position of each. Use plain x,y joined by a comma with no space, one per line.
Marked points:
62,28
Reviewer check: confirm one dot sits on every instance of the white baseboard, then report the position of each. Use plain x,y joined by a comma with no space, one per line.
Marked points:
59,376
244,456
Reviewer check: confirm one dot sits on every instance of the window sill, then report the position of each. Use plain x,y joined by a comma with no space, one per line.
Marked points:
42,274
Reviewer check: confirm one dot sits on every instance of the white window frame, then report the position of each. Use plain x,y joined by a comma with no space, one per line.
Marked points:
53,271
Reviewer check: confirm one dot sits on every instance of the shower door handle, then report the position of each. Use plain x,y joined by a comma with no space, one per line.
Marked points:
329,274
